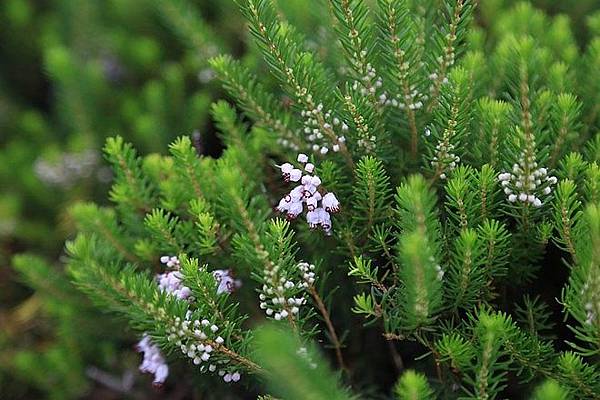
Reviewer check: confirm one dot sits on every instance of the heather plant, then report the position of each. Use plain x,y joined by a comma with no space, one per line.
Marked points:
73,73
413,210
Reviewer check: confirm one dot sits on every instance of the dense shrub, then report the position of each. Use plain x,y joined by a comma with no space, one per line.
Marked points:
413,188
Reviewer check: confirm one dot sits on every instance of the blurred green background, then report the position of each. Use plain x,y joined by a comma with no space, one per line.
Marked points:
73,72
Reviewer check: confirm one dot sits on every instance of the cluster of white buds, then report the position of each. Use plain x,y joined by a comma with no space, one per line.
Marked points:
448,59
590,316
153,362
434,76
172,281
170,261
226,283
283,293
412,101
199,340
287,143
280,296
318,206
440,272
68,169
370,83
317,119
526,183
365,138
444,159
592,302
307,272
303,352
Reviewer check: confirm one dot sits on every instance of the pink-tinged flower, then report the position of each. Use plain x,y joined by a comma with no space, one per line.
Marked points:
294,210
331,203
153,361
295,175
286,169
325,220
297,193
284,204
311,203
172,281
315,181
313,218
225,280
308,192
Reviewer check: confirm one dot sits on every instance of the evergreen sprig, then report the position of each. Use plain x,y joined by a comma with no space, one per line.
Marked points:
444,167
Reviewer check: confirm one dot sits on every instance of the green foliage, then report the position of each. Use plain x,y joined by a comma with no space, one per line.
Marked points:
449,168
549,390
413,385
295,372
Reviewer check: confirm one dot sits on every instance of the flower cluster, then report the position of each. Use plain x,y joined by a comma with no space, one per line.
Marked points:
226,283
303,352
307,272
592,299
412,100
370,82
444,62
172,281
434,77
199,341
280,296
319,206
444,159
527,182
283,292
68,169
286,139
440,272
153,362
315,121
196,338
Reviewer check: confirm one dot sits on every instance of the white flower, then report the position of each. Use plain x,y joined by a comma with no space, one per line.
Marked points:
319,218
331,203
530,185
295,208
302,158
523,197
313,218
295,175
286,168
504,176
311,203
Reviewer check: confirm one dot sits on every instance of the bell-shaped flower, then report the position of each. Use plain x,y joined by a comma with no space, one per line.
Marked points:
331,203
